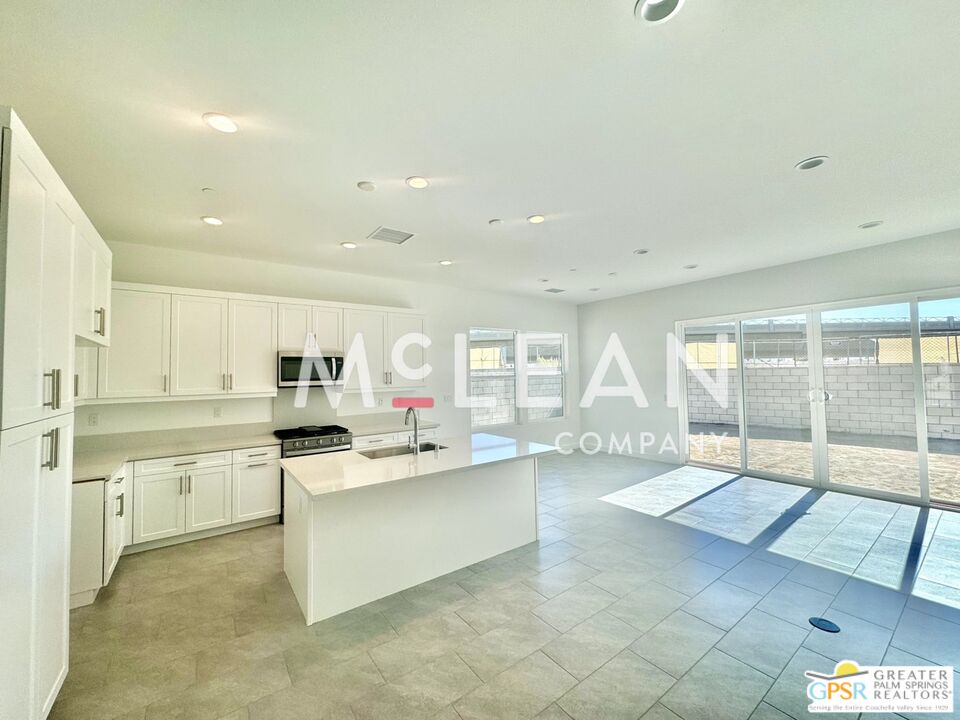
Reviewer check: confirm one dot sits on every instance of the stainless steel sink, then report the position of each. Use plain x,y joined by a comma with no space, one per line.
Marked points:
386,452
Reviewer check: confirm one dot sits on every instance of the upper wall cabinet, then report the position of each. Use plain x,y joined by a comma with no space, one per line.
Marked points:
252,354
91,292
198,345
40,223
137,363
306,326
402,331
381,331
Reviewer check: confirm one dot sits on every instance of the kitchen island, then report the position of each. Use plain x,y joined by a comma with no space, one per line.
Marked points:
360,527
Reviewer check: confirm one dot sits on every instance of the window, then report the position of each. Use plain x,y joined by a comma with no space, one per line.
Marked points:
495,373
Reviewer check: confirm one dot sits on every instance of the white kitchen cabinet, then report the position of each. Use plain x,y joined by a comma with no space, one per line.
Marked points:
35,463
256,490
371,326
208,498
87,536
160,509
400,325
137,363
252,352
114,522
304,326
38,244
84,371
363,442
198,345
328,328
295,323
91,290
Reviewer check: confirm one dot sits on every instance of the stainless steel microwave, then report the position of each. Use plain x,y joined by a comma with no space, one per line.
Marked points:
314,369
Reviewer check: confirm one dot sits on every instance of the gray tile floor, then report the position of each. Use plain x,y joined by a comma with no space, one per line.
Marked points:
684,593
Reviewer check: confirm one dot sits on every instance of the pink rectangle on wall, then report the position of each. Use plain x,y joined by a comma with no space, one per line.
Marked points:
414,402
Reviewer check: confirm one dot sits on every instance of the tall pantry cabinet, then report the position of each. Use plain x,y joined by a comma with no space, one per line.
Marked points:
40,226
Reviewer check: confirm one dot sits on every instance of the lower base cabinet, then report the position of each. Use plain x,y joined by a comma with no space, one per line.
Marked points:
256,490
192,493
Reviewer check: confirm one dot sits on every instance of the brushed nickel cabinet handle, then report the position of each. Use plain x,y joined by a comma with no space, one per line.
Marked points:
164,382
263,464
51,462
253,455
56,389
76,385
189,484
181,485
101,328
122,508
184,464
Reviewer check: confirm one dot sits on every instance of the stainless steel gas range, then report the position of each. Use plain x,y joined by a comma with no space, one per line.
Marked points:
311,440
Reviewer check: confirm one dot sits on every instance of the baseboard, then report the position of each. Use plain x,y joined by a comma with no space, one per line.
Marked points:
190,537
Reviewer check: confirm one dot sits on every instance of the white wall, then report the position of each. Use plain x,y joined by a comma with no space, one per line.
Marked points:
448,310
643,320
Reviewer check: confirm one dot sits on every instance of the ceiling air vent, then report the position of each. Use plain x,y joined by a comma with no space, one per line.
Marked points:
554,290
397,237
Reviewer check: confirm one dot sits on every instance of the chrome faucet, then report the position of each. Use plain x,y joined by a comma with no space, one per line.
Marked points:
416,428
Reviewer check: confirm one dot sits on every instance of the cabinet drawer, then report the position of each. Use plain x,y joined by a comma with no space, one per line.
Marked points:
181,462
366,441
257,454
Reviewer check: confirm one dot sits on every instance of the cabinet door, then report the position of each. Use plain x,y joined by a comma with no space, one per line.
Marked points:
198,339
114,523
371,325
327,328
88,534
208,498
102,270
160,509
253,347
256,490
84,371
85,322
137,363
295,324
399,325
24,386
22,451
57,320
51,630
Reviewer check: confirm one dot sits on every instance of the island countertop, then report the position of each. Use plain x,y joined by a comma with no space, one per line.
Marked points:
349,470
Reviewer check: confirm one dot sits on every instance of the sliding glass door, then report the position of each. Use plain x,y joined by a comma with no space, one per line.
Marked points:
711,388
864,398
776,391
939,322
869,399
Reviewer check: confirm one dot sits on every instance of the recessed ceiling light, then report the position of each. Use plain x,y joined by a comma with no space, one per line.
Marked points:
640,251
417,182
220,122
544,280
445,263
536,219
593,289
210,220
692,266
612,274
573,269
207,190
349,245
366,186
495,221
811,163
871,224
656,11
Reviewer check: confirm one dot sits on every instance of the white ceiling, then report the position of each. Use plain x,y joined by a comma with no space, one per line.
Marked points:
680,138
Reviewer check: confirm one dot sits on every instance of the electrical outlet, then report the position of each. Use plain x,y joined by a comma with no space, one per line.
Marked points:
93,419
217,411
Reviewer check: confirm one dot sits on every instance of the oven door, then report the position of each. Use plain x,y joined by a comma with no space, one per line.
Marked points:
314,369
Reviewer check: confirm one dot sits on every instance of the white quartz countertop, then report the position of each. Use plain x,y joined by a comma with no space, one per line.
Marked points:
103,462
349,470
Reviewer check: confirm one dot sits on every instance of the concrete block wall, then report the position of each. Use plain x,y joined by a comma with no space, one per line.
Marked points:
867,399
501,386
